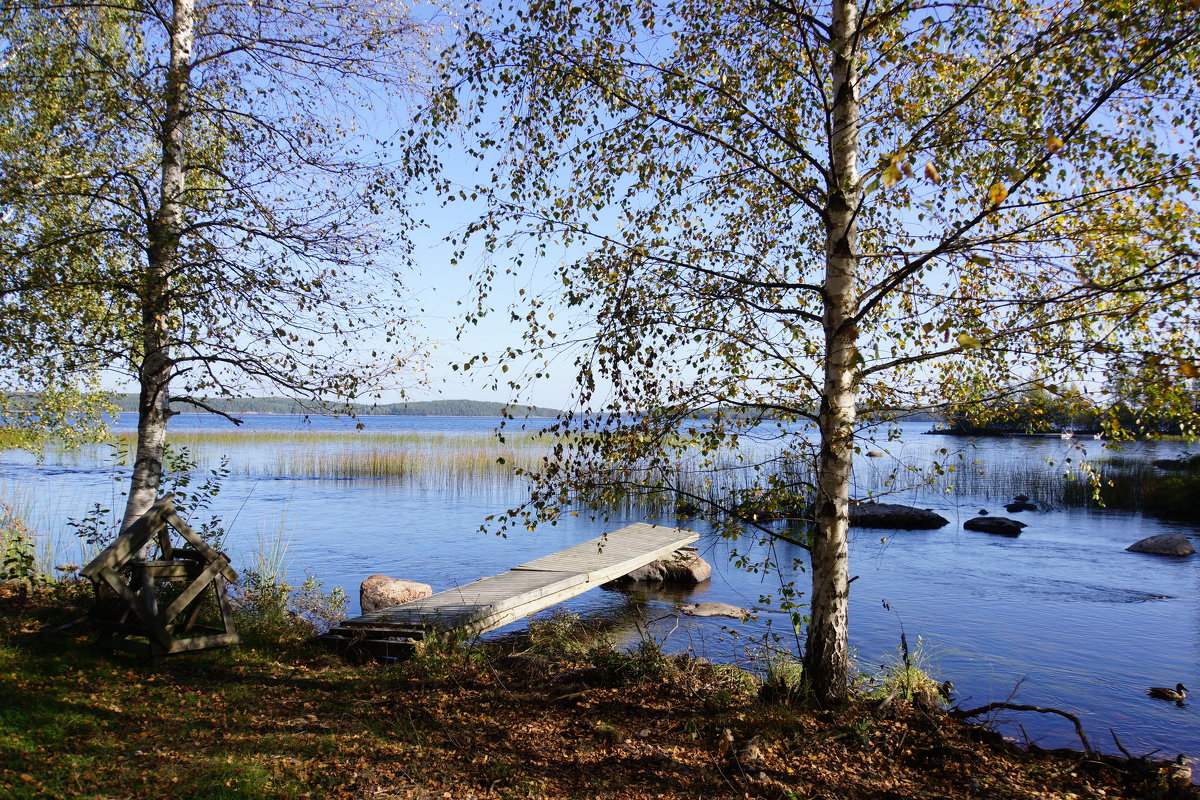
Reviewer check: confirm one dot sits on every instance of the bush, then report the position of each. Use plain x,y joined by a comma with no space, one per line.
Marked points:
268,612
18,552
907,676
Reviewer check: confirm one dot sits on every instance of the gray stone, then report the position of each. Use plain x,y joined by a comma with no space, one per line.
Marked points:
875,454
1165,544
714,610
1002,526
379,592
681,569
891,515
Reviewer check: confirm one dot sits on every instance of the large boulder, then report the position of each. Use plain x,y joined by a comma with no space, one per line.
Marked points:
1165,544
1002,526
714,610
892,515
379,592
681,569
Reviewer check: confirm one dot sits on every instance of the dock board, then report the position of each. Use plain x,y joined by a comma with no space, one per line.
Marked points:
490,603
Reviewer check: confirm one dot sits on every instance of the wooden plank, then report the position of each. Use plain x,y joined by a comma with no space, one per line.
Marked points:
125,546
201,546
619,552
482,598
192,591
495,601
202,642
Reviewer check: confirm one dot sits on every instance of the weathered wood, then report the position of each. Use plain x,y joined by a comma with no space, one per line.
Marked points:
490,603
198,585
126,546
134,583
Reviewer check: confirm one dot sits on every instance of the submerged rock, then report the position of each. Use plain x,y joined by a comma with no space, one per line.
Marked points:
1164,544
1002,526
379,591
1019,505
892,515
715,610
682,569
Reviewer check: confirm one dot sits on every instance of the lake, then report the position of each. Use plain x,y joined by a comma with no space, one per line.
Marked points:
1061,616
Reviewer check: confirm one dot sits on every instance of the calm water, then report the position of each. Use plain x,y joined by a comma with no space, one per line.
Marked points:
1061,616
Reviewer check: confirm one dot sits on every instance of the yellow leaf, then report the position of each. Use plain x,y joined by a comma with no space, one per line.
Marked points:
891,176
907,169
968,341
1189,369
1053,143
997,194
931,173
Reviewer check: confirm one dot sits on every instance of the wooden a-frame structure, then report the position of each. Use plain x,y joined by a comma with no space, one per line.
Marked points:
127,610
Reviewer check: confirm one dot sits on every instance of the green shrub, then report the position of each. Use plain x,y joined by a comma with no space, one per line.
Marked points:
18,551
907,676
783,680
562,635
269,612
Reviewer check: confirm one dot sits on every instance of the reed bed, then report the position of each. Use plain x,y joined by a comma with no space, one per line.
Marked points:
1117,483
458,461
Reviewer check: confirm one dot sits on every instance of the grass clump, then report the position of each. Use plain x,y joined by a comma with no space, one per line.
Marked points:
907,676
783,680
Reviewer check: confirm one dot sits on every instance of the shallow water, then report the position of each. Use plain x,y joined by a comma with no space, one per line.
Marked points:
1061,616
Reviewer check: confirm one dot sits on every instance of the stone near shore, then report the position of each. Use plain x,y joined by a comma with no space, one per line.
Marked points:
1002,526
714,610
681,569
892,515
379,592
1165,544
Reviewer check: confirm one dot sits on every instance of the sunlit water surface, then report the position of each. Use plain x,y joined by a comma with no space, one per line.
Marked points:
1062,616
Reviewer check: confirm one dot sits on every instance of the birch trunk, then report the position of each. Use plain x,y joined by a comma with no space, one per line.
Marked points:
154,373
827,656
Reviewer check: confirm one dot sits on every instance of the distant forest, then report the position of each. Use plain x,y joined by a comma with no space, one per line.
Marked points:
281,405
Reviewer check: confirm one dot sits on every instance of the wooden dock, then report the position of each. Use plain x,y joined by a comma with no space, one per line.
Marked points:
489,603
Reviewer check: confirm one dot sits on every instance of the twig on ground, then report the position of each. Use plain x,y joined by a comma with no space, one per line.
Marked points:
1087,747
1120,746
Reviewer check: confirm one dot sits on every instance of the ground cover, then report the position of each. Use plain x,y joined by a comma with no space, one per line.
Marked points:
551,717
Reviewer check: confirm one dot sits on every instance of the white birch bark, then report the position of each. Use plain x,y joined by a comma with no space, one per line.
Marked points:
154,373
827,657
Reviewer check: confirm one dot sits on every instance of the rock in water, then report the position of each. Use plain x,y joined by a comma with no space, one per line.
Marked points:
379,591
1019,505
1165,544
1002,526
682,569
891,515
715,610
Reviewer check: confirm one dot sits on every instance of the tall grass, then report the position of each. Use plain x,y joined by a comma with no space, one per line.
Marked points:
33,544
1116,483
734,482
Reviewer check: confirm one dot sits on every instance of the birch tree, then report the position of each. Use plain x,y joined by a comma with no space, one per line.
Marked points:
790,216
251,238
